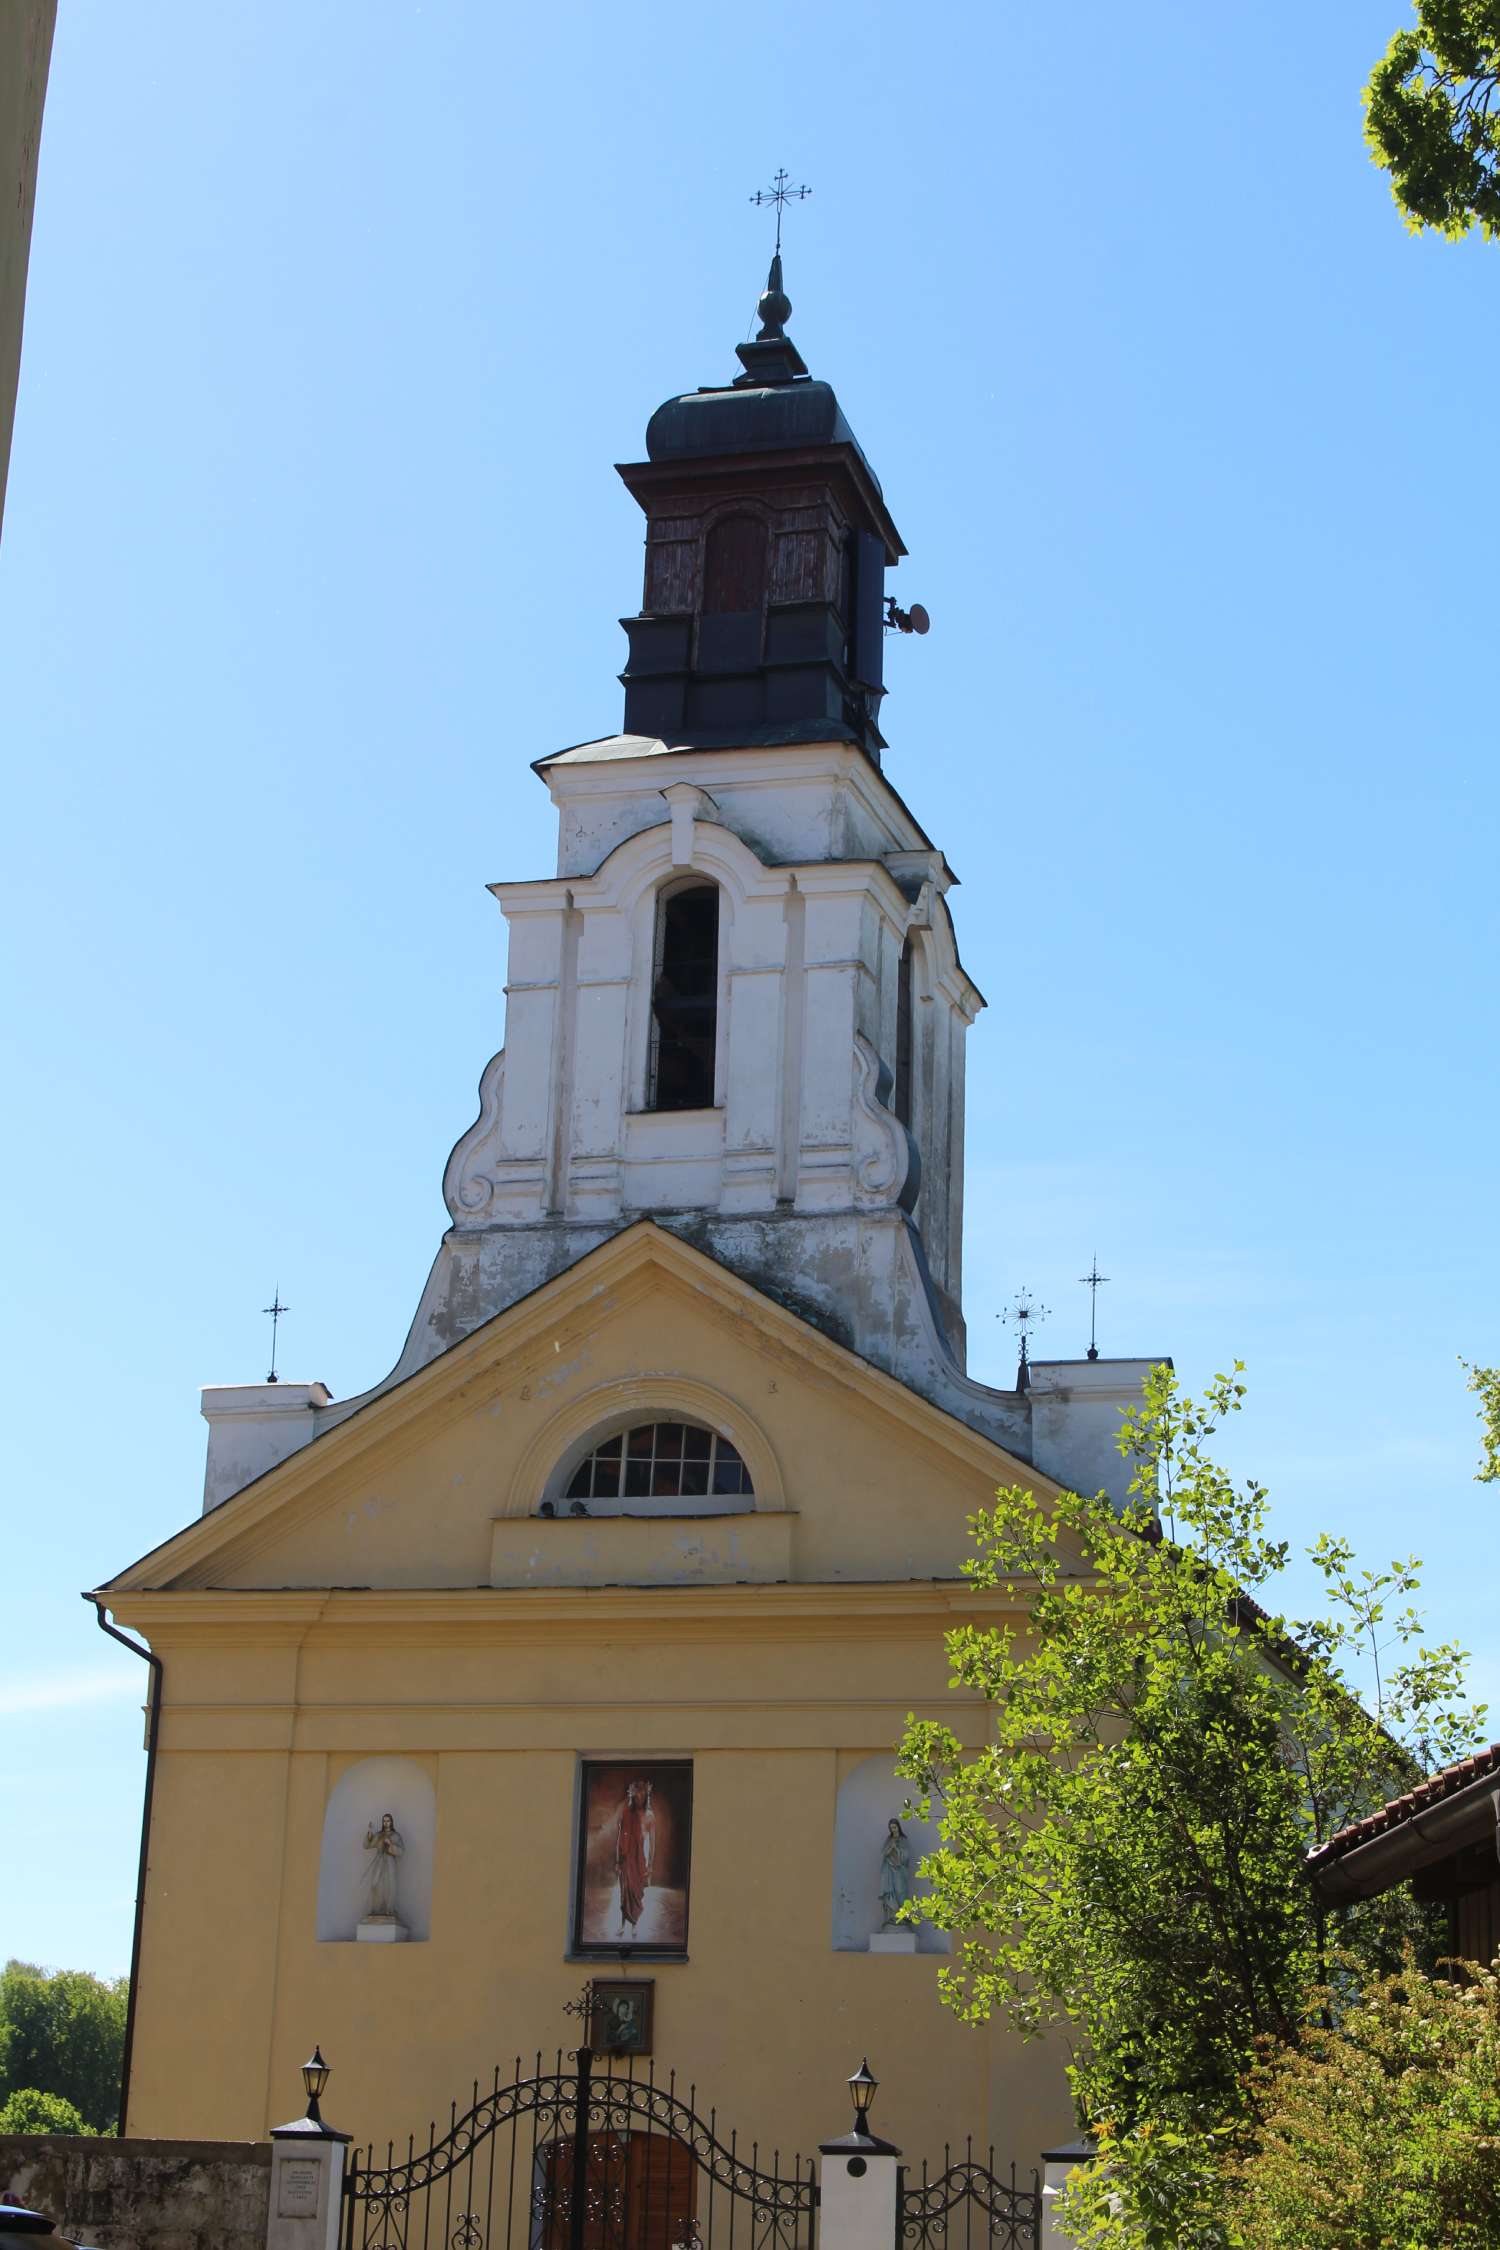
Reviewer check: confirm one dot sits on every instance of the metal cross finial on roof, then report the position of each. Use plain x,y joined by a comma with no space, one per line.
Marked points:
1024,1313
275,1308
1093,1281
781,195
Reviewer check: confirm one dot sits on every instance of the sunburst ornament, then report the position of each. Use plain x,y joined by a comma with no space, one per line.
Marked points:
1025,1314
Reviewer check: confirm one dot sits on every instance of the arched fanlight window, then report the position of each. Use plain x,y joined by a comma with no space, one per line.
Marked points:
685,999
659,1461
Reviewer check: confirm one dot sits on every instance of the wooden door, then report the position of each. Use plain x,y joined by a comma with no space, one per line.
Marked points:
640,2193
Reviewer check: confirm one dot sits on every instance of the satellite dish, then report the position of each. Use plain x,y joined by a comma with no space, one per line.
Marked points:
920,621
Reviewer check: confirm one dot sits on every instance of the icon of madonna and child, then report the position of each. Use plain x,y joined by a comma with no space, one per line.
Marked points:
634,1850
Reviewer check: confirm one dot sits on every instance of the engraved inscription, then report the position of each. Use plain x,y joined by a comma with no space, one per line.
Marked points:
299,2188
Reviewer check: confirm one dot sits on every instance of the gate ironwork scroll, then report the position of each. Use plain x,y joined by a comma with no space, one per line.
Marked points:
969,2206
595,2154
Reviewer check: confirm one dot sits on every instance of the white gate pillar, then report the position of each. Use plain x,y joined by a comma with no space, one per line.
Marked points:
859,2181
307,2174
1058,2165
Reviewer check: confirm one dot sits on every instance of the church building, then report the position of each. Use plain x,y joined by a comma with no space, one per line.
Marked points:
577,1648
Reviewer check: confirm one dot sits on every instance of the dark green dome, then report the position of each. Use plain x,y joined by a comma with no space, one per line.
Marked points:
774,418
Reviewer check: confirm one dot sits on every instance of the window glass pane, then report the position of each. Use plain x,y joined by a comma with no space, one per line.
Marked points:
665,1461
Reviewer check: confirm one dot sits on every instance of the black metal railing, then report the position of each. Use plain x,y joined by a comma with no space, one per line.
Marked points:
593,2154
968,2205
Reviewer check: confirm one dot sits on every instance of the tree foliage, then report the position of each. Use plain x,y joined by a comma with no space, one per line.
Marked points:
1384,2131
1485,1381
63,2033
28,2111
1123,1859
1432,117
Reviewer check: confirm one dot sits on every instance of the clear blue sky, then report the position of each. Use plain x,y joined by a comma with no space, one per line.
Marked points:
339,316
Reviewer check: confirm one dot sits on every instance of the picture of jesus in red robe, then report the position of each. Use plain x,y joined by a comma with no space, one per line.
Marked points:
633,1855
635,1822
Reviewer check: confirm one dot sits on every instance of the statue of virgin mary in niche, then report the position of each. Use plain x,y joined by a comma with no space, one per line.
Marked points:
385,1846
895,1874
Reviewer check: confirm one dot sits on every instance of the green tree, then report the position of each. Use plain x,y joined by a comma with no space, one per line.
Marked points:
1386,2130
27,2111
1432,117
63,2033
1485,1381
1122,1862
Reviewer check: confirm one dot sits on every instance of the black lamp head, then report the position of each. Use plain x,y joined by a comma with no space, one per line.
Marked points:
314,2078
862,2089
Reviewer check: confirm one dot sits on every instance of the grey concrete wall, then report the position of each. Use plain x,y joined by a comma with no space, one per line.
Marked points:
142,2195
26,28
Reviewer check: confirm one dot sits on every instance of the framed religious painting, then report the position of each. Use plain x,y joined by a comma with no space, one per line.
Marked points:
620,2015
634,1856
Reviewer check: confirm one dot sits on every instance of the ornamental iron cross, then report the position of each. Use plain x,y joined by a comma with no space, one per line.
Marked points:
781,195
275,1309
1093,1281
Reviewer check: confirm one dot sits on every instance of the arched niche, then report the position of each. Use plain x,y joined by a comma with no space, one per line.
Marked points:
403,1788
871,1794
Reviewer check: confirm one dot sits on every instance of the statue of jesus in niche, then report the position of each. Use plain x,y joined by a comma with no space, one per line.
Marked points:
635,1851
387,1845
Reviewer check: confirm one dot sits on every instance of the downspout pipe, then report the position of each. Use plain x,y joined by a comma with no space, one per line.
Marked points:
153,1732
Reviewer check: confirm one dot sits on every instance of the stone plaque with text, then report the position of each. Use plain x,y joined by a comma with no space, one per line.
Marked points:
299,2188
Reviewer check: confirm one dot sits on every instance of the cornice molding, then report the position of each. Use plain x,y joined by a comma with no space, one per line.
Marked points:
868,1608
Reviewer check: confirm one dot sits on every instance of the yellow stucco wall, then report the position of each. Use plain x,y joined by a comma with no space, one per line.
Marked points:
274,1685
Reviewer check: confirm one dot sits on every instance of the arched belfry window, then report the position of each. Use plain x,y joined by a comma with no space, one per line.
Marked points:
734,566
901,1096
685,999
654,1467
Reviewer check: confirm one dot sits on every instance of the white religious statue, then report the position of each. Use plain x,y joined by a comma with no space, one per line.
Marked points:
385,1846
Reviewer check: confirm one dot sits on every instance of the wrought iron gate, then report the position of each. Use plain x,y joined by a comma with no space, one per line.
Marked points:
968,2206
594,2154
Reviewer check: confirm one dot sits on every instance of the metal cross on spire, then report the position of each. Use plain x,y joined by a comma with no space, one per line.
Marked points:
781,195
1093,1281
275,1309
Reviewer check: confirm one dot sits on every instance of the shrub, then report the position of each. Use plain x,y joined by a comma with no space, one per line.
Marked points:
28,2110
1383,2131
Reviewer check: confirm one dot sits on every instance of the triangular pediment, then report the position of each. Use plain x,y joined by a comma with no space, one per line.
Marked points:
440,1481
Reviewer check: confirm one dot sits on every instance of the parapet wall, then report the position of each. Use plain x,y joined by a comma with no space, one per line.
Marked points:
142,2195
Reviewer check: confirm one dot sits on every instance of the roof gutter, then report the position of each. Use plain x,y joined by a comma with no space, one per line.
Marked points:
1467,1817
153,1732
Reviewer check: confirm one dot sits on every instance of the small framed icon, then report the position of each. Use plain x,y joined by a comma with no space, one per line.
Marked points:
620,2015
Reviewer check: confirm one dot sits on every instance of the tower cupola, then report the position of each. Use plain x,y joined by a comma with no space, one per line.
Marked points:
762,617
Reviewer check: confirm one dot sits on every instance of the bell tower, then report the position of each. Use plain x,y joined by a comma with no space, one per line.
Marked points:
737,1007
767,543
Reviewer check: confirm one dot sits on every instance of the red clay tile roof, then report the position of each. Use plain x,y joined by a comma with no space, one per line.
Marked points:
1430,1792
